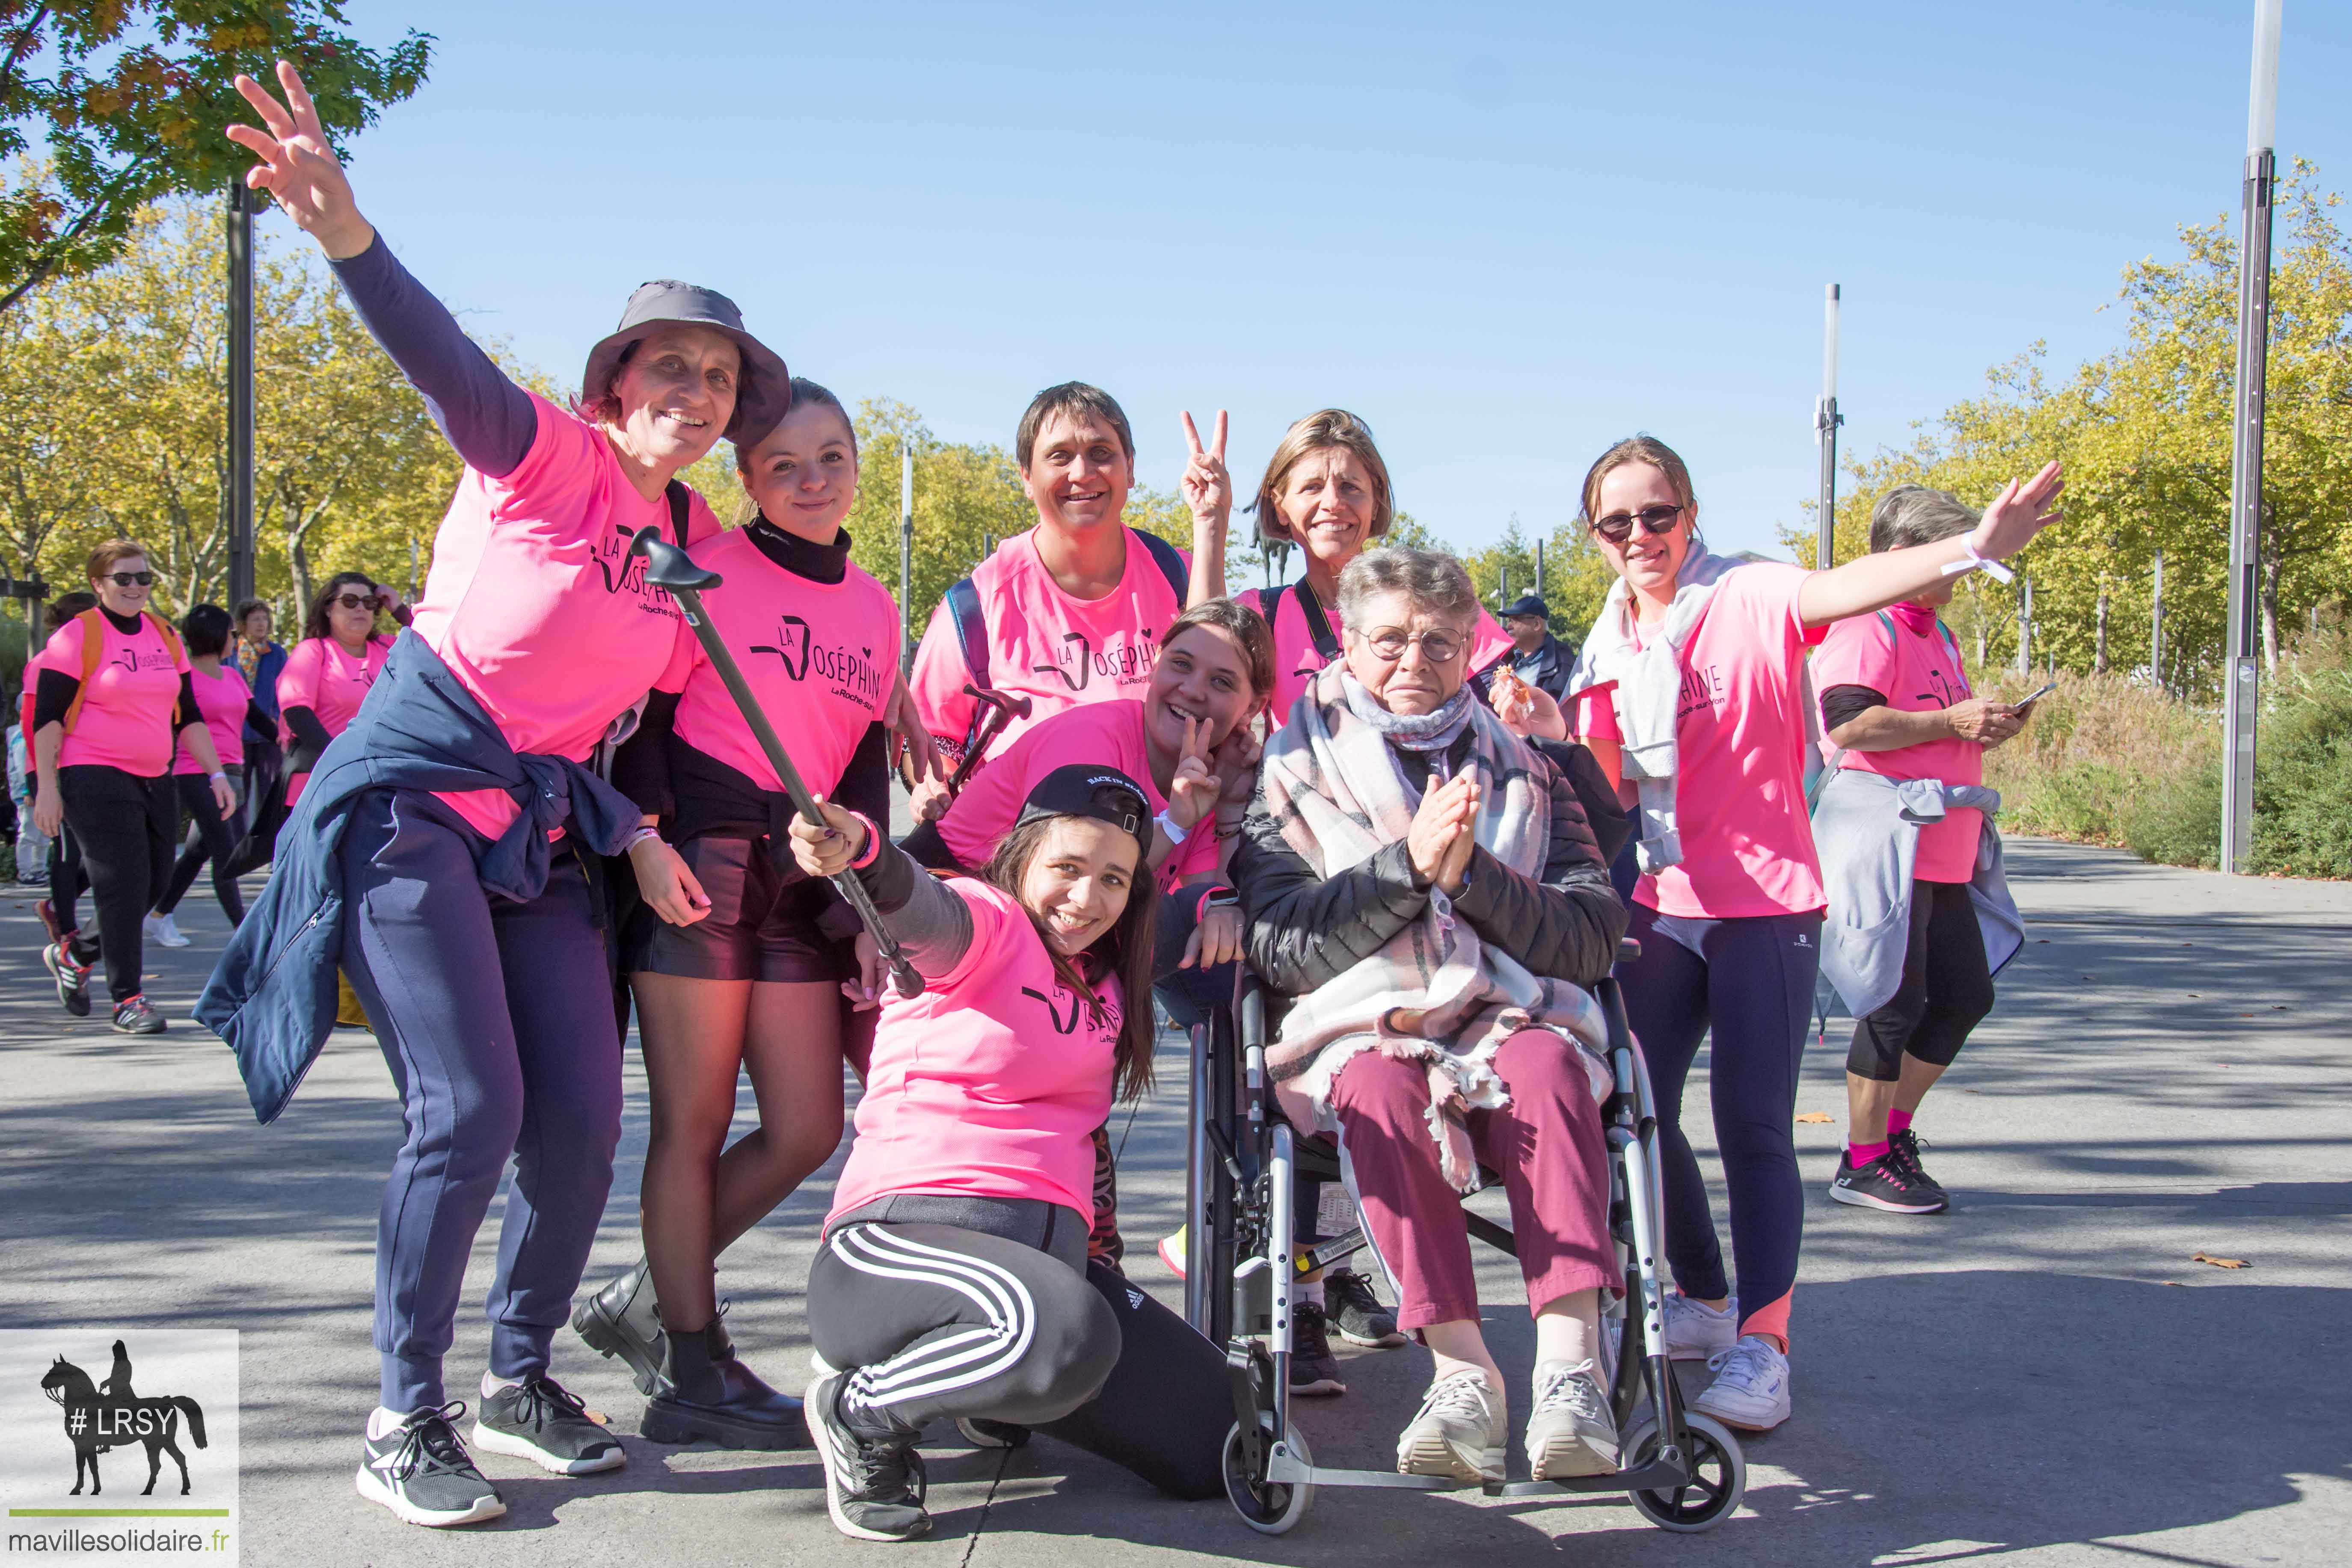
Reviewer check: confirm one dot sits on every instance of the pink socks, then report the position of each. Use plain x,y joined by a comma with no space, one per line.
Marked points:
1863,1154
1898,1121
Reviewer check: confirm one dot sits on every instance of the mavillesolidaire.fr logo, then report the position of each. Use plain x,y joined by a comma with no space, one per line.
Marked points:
118,1445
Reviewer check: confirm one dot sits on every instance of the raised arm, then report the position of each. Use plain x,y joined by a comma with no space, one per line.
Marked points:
1874,582
1209,493
487,417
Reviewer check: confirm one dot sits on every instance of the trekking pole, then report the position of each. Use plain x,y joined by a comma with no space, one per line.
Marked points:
1002,708
672,570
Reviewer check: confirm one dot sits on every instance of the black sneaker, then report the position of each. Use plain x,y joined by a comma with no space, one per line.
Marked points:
1904,1149
421,1473
73,979
1883,1184
873,1479
1314,1371
1356,1313
134,1016
541,1420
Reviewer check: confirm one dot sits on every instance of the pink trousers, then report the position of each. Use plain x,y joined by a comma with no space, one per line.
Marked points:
1547,1145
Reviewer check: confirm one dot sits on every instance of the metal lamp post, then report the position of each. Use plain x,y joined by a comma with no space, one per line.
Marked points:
240,394
2241,671
1826,420
906,556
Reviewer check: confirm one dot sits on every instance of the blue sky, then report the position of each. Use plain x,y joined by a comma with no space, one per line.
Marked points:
1505,234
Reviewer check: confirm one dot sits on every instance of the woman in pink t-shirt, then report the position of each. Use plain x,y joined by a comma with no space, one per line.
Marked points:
953,1280
1691,691
1327,491
212,834
328,674
535,633
745,966
113,696
1895,702
1073,610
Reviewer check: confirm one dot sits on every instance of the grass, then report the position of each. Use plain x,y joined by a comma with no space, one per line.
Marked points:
2110,760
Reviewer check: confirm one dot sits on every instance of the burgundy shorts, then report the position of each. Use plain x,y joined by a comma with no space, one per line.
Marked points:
759,927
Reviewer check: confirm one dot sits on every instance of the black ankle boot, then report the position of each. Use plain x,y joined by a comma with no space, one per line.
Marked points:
705,1391
621,1320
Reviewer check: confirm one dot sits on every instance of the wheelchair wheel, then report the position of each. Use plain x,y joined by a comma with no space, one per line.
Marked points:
1270,1507
1718,1476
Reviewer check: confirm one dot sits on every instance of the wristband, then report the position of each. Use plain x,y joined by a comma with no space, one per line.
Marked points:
873,843
644,831
1176,836
1972,562
216,775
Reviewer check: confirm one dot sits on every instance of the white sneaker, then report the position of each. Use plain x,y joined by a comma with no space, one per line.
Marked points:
1569,1432
1750,1390
1696,1331
1457,1432
165,932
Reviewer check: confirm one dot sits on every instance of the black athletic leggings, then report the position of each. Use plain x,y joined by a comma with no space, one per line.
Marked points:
211,838
1946,988
941,1321
124,825
68,879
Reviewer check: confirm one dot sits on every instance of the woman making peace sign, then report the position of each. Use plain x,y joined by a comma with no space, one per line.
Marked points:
440,852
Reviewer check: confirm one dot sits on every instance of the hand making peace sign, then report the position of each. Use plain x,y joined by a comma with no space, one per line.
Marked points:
298,166
1192,791
1207,487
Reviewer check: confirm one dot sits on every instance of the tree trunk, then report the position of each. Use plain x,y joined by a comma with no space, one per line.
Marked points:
2099,658
2270,591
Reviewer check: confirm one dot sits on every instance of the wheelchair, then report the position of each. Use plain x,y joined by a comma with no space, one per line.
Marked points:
1684,1470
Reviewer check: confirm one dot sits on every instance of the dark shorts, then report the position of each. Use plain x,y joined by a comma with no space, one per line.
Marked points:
759,927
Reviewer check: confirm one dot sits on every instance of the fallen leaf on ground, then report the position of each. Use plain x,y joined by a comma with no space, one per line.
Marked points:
2218,1262
1814,1115
2171,1282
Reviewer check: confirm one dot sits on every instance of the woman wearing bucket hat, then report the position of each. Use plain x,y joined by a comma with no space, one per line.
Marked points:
442,852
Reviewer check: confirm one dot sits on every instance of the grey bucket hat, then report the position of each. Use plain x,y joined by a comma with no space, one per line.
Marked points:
764,390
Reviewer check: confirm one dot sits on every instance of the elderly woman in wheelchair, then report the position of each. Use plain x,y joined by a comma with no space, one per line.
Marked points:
1424,885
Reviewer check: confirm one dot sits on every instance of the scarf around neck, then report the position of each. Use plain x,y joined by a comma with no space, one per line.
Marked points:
1431,731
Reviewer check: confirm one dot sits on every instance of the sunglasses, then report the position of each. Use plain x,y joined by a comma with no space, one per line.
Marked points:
356,602
1618,526
131,579
1389,643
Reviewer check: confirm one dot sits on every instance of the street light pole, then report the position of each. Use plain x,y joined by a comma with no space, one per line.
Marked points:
906,555
1826,420
2241,671
240,394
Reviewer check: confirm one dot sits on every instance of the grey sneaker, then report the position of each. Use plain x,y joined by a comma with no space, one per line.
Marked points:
1356,1313
873,1479
541,1420
1569,1432
1457,1432
421,1471
1314,1370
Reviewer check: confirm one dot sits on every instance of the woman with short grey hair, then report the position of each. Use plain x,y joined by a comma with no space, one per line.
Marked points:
1424,884
1909,854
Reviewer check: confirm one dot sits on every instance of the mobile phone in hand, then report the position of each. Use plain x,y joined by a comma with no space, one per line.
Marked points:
2047,688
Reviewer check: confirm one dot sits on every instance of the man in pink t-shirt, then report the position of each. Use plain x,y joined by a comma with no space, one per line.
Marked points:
1073,610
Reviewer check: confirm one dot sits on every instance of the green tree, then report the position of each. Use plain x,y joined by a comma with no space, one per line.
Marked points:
130,98
1576,576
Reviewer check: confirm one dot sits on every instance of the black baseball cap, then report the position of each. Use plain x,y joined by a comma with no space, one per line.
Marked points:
1088,789
1528,604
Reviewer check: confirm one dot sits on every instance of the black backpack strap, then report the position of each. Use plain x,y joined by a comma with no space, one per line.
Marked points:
679,495
1318,625
1171,566
1269,603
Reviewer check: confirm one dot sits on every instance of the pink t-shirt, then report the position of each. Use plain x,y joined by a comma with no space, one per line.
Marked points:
537,606
1057,651
127,711
1739,734
1105,733
819,656
223,698
319,676
992,1082
1296,657
1919,674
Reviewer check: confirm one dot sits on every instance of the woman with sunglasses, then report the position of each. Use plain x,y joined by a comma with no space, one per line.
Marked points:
114,694
330,669
442,852
1691,689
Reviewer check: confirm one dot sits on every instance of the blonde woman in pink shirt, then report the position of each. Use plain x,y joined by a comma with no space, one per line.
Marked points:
1691,691
953,1281
444,851
329,673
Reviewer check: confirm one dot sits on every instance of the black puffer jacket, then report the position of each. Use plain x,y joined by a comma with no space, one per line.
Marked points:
1302,930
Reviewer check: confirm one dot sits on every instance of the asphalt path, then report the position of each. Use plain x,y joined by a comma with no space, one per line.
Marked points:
2043,1375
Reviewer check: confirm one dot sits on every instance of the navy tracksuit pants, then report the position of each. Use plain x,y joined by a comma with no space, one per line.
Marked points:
496,1021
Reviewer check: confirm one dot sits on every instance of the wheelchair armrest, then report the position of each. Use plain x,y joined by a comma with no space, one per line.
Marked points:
1628,949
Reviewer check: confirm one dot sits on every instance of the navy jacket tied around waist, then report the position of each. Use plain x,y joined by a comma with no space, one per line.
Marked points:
272,995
